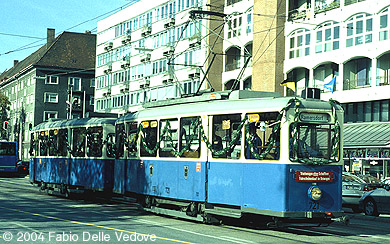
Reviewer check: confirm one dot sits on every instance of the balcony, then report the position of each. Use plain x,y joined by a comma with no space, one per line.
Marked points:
297,14
349,2
232,66
323,7
383,80
355,84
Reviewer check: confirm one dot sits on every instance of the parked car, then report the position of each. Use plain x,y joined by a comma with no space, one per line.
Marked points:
386,181
376,202
353,188
371,179
23,167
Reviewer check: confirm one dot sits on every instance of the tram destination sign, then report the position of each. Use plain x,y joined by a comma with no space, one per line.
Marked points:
313,176
312,117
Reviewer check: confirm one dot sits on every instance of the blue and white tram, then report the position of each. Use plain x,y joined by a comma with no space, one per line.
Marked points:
275,157
70,155
8,156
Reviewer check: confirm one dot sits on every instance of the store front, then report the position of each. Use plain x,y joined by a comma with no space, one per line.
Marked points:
367,149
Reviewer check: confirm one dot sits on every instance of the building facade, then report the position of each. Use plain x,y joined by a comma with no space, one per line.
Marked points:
158,50
347,40
56,81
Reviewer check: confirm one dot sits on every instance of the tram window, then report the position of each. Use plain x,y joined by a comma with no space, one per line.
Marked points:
110,145
189,137
132,138
120,142
94,141
313,141
259,136
43,143
62,142
169,137
36,143
224,130
32,141
53,141
149,135
79,135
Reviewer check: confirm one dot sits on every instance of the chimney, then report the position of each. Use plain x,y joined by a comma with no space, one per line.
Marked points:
16,62
50,37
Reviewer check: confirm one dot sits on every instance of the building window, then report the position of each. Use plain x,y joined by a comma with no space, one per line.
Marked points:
249,23
50,79
359,30
327,37
75,83
299,44
234,27
51,97
49,115
384,25
92,84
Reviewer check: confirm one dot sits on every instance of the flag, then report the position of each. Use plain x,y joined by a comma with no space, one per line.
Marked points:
289,84
330,85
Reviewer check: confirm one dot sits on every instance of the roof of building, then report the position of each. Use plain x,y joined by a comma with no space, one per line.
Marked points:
367,134
69,50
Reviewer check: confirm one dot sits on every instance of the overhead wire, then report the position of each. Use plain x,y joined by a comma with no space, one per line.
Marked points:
27,46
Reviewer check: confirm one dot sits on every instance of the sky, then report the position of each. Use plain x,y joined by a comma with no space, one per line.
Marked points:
24,23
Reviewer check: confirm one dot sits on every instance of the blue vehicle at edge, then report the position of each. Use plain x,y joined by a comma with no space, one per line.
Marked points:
8,157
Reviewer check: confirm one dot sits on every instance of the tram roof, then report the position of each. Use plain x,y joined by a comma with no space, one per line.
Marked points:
238,101
61,123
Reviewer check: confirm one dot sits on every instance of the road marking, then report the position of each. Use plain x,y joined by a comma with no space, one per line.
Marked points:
329,234
26,227
223,238
237,239
89,224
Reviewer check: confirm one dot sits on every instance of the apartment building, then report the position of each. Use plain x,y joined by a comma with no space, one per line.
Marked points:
347,40
158,50
55,81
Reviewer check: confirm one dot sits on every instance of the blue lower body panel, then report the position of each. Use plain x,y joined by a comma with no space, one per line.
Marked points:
94,174
271,187
183,180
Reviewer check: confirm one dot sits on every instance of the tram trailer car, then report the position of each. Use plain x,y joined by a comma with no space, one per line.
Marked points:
201,158
73,155
8,157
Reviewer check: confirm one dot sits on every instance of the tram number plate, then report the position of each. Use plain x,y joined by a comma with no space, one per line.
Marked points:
314,205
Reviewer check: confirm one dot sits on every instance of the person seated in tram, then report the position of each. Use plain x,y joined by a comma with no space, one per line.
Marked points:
254,139
304,150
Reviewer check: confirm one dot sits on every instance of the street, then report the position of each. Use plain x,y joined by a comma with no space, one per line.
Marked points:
29,216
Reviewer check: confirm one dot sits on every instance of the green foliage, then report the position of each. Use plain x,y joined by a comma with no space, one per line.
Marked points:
4,109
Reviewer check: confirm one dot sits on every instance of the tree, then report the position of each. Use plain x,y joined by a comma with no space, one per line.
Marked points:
4,109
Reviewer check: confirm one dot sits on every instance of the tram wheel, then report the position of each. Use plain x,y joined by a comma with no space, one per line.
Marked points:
147,202
192,209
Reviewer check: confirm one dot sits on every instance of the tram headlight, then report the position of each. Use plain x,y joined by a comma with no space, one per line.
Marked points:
315,193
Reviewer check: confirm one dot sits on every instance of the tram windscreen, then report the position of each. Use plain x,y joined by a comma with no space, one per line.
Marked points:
7,149
313,141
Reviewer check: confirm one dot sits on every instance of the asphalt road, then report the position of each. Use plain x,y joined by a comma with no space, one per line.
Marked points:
28,216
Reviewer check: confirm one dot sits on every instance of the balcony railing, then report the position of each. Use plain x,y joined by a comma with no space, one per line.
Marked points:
323,7
297,14
383,80
232,66
349,2
355,84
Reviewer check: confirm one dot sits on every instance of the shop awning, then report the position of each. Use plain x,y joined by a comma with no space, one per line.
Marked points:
373,134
